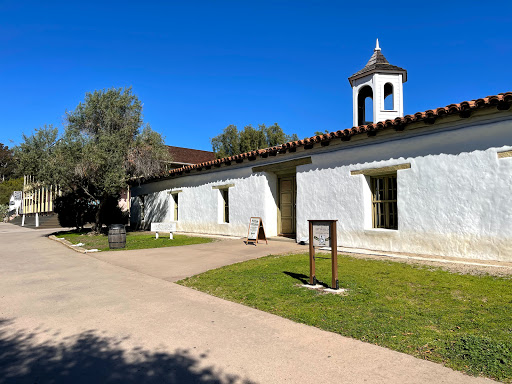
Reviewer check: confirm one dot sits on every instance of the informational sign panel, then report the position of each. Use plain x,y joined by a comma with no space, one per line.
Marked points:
321,234
256,231
163,227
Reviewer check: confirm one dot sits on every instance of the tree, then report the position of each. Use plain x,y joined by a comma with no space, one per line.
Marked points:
7,187
7,163
34,154
74,209
104,145
232,142
4,211
227,143
251,139
275,135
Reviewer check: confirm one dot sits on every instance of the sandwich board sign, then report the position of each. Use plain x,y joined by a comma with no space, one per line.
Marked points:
256,231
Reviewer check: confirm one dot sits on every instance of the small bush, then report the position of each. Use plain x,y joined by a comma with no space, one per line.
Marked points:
482,355
4,211
74,210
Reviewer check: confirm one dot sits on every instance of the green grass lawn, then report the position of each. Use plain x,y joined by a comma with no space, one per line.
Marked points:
134,240
462,321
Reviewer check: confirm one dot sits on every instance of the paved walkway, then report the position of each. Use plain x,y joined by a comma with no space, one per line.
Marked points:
173,264
70,317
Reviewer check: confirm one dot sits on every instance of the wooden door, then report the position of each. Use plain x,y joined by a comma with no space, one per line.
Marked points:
287,192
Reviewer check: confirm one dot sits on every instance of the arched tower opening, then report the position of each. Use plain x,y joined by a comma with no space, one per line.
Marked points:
377,90
389,97
365,105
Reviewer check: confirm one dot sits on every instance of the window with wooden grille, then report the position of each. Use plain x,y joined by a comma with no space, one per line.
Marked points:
225,201
384,202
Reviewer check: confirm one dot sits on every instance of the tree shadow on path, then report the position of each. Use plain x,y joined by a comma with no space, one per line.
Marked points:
92,358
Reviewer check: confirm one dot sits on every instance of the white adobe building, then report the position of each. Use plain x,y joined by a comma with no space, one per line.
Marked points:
437,182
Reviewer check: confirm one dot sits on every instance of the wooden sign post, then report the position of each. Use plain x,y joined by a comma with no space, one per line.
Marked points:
322,233
256,231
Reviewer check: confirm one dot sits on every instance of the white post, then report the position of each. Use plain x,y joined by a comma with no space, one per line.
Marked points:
23,220
156,236
170,236
37,219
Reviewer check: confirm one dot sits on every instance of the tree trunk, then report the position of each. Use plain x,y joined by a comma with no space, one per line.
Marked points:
98,224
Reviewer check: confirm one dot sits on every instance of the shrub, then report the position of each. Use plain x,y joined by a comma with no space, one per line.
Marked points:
74,210
4,211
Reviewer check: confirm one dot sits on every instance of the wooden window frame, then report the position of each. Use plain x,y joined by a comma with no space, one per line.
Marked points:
224,200
176,198
384,201
224,193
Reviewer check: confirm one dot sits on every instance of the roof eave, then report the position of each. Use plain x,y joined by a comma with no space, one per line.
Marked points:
357,76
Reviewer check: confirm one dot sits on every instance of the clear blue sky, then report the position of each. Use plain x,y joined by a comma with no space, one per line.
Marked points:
199,66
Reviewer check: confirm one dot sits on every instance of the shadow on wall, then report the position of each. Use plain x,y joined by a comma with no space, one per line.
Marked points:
154,209
158,209
91,358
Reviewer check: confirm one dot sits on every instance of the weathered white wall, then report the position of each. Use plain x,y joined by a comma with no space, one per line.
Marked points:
453,201
200,209
379,112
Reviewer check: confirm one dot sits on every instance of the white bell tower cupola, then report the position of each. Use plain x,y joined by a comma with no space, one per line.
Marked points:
377,90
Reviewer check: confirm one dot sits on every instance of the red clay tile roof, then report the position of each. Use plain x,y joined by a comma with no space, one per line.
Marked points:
187,155
502,101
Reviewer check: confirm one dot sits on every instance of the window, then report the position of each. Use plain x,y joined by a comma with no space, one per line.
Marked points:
365,105
175,198
223,207
388,97
384,202
225,201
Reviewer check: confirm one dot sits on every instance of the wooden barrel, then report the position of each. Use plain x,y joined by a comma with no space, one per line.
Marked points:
116,236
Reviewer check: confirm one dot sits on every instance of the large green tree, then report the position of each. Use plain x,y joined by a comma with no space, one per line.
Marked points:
8,184
233,142
7,187
35,154
7,163
105,144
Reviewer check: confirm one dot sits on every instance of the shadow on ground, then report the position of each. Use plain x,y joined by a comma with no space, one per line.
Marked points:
303,278
92,358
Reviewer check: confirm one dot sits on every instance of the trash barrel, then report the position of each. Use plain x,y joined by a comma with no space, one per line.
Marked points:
116,236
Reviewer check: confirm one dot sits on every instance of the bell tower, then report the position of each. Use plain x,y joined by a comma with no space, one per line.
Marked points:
377,90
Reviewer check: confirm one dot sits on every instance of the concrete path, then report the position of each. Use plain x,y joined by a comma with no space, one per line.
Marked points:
69,317
173,264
